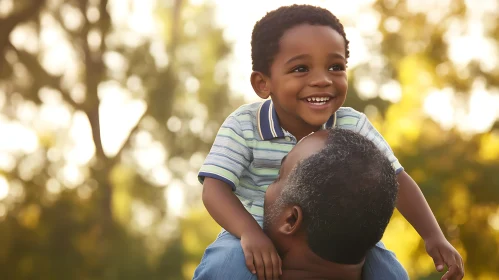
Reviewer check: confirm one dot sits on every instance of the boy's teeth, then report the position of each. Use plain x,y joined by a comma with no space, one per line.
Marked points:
322,100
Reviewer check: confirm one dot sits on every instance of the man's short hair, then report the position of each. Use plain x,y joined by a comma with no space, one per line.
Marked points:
347,193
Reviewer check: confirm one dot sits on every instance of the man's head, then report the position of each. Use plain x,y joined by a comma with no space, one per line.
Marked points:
299,56
336,192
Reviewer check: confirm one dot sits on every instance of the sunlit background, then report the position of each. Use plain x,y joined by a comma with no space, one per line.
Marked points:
108,108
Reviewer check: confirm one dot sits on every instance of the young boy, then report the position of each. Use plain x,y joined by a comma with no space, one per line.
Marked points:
299,58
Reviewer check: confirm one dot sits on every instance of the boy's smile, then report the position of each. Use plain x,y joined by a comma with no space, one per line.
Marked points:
308,81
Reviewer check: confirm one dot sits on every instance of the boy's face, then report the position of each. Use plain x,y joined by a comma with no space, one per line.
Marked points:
308,80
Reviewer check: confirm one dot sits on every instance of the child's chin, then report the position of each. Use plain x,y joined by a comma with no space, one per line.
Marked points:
316,121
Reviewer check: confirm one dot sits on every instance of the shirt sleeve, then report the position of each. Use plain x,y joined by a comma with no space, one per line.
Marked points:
366,129
229,156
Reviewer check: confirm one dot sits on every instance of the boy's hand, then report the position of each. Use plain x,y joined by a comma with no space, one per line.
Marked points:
442,253
261,255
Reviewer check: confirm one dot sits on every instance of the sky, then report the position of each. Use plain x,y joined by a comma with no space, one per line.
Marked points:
136,22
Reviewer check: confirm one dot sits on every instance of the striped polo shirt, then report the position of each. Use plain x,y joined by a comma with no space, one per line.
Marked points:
250,145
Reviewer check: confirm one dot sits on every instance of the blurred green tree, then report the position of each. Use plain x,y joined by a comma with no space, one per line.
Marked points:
58,228
455,169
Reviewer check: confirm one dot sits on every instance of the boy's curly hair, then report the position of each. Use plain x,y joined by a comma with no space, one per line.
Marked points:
268,31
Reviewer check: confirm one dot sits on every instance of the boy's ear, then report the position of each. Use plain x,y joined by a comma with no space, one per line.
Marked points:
260,84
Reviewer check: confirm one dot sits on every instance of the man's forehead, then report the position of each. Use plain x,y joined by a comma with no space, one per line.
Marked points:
305,148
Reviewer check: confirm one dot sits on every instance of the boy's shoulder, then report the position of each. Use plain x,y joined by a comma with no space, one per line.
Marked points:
347,117
247,109
343,111
244,120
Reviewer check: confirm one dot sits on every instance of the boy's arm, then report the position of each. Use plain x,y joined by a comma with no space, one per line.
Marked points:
226,209
229,157
259,251
411,202
413,206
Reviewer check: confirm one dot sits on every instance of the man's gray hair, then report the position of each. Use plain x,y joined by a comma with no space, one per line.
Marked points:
347,192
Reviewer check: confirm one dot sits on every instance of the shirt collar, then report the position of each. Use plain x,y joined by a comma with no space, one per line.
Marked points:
268,123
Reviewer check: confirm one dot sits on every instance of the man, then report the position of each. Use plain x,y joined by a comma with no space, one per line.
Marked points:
330,205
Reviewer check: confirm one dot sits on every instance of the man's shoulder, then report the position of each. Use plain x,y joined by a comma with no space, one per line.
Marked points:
347,117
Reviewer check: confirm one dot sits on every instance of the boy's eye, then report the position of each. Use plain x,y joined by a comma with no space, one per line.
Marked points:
337,67
300,69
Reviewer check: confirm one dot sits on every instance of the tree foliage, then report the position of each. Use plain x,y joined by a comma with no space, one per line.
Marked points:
59,227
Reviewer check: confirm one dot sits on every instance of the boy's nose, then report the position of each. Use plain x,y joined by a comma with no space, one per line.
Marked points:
321,80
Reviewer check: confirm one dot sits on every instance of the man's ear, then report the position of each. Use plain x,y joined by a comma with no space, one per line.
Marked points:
261,84
293,220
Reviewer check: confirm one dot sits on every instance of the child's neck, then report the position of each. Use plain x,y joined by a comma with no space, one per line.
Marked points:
298,128
293,124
